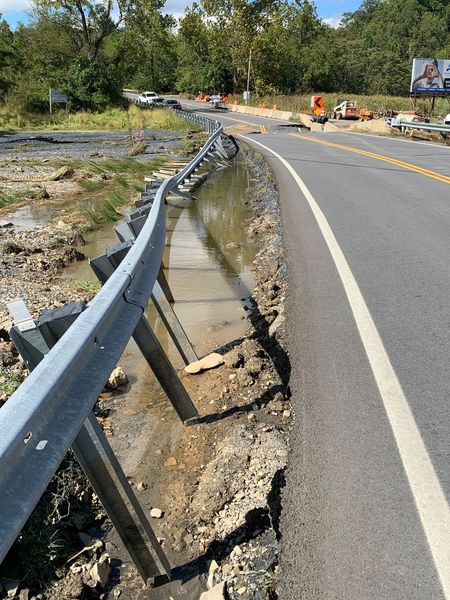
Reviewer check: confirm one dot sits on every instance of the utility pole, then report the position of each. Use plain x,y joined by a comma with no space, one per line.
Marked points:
248,76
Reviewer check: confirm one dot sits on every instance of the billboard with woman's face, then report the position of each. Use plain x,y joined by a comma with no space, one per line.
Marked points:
430,76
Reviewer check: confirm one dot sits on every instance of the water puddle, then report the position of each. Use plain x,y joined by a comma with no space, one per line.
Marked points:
207,260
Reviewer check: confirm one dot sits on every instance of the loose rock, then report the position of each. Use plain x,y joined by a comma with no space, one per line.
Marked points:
217,593
117,378
207,362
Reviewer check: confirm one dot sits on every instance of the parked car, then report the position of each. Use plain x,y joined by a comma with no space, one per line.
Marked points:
447,119
149,99
172,103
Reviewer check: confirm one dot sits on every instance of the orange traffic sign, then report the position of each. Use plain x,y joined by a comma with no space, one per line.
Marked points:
317,104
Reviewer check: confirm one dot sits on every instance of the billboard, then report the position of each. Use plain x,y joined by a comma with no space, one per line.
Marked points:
430,76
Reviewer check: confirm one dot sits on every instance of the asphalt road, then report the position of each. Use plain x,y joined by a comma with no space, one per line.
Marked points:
366,227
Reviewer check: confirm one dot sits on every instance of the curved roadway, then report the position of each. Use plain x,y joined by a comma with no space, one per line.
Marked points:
366,222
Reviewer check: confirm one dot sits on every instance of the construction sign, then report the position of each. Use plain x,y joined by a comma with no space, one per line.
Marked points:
317,104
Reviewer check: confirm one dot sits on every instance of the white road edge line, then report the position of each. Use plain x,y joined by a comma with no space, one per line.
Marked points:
428,495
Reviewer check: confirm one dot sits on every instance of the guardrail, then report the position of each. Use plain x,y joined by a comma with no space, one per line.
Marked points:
403,125
52,409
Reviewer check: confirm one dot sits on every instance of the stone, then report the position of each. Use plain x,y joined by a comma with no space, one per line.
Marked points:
234,358
6,223
279,321
213,568
237,551
207,362
171,462
11,586
117,378
117,593
141,486
286,414
216,593
24,594
156,513
101,571
227,570
241,591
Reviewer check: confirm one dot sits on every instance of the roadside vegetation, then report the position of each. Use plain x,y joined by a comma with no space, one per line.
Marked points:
110,119
91,50
375,102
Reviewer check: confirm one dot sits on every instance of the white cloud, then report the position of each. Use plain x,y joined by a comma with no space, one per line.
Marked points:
334,22
12,6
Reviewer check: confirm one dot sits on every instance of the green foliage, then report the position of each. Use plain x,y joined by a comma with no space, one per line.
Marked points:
46,543
9,381
125,119
85,286
91,49
105,210
6,199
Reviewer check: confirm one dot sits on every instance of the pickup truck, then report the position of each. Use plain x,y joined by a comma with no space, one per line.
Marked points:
149,99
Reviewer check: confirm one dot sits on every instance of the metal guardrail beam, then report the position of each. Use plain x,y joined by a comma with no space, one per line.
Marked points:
425,126
43,417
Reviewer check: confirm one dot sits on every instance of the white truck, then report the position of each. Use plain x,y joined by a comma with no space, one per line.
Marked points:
149,99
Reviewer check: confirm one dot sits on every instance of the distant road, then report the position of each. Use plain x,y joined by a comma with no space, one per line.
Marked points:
366,223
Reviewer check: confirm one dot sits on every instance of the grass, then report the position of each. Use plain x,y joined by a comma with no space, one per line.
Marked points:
105,210
84,285
46,541
299,102
9,381
8,199
193,144
112,119
100,201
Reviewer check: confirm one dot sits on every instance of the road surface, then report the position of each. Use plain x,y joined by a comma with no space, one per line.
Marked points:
366,222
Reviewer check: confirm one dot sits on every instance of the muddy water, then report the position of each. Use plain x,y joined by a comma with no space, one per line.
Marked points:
207,259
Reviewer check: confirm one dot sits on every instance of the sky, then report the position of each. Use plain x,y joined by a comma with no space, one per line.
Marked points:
15,11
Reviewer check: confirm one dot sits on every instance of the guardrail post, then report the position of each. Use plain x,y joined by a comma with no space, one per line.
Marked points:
105,265
91,447
149,345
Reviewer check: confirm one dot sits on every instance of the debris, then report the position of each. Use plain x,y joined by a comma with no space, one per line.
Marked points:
6,224
138,148
213,568
156,513
276,324
62,173
117,378
207,362
101,571
217,592
141,486
11,586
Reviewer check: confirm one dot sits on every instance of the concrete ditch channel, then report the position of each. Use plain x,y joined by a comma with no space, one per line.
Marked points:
212,489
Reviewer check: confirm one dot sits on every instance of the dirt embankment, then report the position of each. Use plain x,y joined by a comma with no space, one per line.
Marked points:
221,492
221,483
